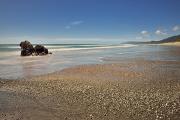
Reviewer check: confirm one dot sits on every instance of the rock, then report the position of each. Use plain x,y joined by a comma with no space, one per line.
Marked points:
25,52
41,50
26,45
46,50
27,49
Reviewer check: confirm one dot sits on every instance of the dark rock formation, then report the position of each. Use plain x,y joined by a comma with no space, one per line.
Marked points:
26,45
27,49
41,50
25,52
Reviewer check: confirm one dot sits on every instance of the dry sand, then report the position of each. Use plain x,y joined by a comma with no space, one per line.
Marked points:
131,90
172,44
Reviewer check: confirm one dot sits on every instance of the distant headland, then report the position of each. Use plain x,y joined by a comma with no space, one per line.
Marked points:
169,40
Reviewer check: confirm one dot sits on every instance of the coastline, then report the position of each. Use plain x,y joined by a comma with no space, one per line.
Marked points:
136,89
172,44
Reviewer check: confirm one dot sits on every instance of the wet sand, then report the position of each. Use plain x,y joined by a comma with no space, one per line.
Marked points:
128,90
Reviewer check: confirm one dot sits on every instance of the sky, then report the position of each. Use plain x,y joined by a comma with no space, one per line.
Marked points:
88,21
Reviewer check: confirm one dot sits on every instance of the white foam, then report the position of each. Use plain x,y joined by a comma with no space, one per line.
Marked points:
51,46
95,48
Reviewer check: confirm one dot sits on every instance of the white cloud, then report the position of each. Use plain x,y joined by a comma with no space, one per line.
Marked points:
160,32
74,23
77,22
176,28
144,32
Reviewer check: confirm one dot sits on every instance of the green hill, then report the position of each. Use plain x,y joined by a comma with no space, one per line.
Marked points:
167,40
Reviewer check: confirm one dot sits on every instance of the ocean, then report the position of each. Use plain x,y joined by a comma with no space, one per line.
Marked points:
13,66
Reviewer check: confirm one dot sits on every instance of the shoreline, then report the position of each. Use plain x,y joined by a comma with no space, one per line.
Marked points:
17,67
171,44
136,89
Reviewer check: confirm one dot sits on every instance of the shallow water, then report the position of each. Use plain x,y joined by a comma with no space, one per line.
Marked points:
13,66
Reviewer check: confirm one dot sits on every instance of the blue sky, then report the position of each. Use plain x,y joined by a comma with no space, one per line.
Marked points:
88,21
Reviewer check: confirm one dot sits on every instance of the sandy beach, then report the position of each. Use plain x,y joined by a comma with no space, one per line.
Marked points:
128,90
172,44
90,60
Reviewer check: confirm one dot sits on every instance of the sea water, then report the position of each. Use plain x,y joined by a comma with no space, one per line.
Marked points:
13,66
